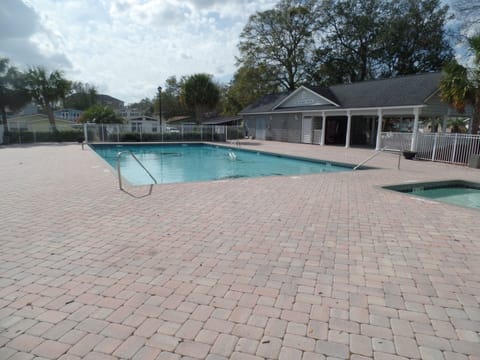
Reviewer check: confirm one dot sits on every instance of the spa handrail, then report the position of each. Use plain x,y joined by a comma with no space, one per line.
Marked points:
377,152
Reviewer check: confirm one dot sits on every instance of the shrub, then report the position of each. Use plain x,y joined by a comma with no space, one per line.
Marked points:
22,137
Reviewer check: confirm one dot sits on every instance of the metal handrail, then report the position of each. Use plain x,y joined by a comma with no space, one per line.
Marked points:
378,152
119,155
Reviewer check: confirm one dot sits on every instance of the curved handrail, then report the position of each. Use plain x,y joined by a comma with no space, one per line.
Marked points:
119,155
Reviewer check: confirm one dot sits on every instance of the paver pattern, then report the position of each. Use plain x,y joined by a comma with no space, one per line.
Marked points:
326,266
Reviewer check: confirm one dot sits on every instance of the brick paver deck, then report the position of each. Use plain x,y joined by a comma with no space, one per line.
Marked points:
296,267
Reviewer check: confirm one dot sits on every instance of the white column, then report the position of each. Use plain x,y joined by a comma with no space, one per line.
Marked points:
324,124
372,129
413,144
379,129
349,127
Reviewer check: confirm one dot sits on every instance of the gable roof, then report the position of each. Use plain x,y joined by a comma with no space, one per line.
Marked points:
408,90
313,97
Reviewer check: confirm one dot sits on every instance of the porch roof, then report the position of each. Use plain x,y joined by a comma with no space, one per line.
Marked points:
412,90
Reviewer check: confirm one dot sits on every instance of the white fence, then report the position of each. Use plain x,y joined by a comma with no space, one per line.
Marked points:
443,147
396,140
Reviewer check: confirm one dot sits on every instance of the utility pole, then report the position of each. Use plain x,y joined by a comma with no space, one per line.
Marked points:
160,108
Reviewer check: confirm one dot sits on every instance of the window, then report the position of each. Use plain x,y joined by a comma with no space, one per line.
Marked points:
136,126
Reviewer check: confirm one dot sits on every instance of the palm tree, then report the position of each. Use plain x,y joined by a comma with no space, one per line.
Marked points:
47,90
460,86
13,94
200,94
458,125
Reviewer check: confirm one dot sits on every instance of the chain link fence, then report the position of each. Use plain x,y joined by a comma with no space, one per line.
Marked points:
90,133
126,133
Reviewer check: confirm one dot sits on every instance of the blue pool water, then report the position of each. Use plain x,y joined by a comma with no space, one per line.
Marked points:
456,192
175,163
462,196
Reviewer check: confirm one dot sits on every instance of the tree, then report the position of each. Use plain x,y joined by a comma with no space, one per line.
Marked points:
280,41
351,45
415,38
458,125
12,92
248,85
84,96
200,94
369,39
171,98
145,106
47,90
460,86
100,114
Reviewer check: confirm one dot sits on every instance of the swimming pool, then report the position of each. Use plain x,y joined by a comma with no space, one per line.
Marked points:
456,192
175,163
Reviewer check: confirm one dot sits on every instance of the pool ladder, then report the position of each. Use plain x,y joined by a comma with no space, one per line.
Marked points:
119,155
377,152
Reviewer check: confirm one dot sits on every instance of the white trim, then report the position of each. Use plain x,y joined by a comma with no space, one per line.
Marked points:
416,114
349,129
378,143
324,124
309,90
319,112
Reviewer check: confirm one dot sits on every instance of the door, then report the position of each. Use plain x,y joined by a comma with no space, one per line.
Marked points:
307,130
260,128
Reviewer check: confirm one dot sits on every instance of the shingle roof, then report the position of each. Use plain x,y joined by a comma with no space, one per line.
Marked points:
401,91
266,103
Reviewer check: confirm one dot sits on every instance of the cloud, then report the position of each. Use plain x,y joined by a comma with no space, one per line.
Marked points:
130,47
24,40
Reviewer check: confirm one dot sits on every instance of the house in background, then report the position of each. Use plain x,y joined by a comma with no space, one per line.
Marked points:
348,114
68,114
129,112
142,123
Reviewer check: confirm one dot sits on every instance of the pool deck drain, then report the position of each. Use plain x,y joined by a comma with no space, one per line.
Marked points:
311,267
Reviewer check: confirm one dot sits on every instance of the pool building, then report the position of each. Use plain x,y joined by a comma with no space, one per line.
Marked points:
349,114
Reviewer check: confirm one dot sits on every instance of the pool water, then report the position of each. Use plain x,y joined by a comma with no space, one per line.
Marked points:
454,192
176,163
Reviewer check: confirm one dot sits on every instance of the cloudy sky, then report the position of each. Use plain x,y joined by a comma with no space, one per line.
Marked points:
127,48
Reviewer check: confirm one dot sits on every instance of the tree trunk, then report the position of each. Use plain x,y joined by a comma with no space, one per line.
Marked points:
5,126
51,118
198,114
476,112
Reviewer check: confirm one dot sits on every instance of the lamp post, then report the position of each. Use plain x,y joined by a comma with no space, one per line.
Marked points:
159,107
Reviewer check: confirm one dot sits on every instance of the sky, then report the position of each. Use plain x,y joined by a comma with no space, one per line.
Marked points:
126,48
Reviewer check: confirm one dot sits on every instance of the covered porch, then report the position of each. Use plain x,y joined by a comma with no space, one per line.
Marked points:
360,127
